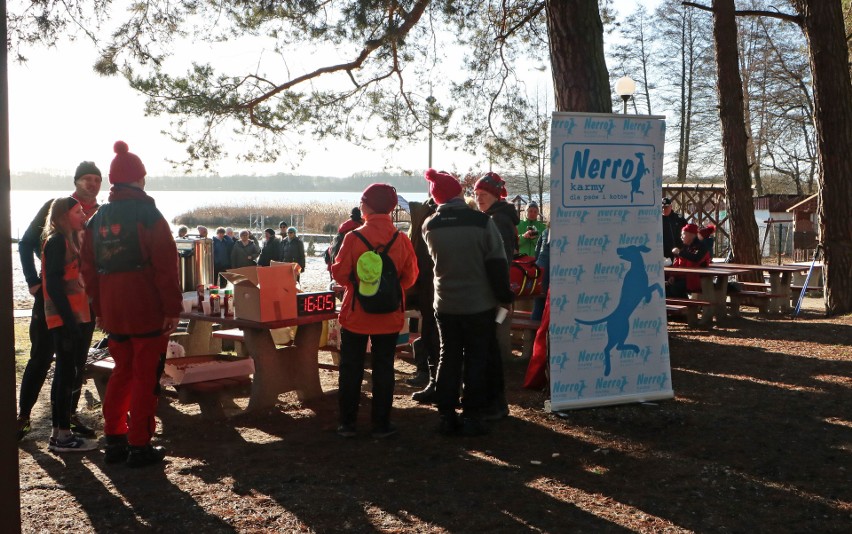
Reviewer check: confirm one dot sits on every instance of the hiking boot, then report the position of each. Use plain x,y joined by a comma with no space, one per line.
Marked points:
384,431
499,409
347,431
23,425
473,426
449,425
145,455
116,449
419,380
80,429
426,396
71,443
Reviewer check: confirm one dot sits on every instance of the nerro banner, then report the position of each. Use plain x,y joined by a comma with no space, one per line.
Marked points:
608,336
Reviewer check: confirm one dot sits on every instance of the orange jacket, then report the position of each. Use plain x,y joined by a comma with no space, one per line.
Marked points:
378,230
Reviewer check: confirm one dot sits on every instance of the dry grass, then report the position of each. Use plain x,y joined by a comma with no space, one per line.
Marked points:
318,218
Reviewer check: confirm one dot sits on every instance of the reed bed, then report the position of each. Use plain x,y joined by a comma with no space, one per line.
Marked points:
318,218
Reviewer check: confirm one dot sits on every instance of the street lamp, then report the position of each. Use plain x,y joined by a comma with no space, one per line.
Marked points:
431,101
625,87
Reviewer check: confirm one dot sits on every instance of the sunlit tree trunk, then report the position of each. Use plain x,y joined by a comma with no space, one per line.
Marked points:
823,25
580,77
744,234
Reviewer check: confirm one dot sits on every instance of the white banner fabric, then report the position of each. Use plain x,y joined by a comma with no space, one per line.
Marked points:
608,332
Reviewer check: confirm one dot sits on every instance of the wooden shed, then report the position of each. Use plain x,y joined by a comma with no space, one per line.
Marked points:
805,227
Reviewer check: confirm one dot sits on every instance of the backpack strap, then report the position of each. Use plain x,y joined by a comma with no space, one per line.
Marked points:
384,248
364,239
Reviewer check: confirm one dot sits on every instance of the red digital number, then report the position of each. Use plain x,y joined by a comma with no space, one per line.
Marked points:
329,301
310,304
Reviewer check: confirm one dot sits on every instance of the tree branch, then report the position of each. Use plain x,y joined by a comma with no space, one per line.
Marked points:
370,46
795,19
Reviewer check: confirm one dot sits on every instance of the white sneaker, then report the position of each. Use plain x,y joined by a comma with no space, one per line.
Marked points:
72,443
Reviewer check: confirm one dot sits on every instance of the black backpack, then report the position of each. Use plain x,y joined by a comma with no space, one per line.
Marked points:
388,297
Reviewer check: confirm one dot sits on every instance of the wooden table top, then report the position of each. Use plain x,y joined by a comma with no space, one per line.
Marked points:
761,268
705,271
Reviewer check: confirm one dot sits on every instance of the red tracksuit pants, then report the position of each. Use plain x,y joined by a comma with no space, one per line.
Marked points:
133,388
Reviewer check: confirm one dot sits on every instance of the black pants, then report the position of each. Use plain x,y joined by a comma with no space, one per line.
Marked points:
71,351
353,348
41,356
465,343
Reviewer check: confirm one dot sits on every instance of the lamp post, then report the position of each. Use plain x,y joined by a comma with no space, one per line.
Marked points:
625,87
431,101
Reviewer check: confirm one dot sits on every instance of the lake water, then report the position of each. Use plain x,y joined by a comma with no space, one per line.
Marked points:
25,204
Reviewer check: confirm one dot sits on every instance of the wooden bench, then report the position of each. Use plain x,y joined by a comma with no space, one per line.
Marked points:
99,371
520,320
758,299
235,336
692,307
214,396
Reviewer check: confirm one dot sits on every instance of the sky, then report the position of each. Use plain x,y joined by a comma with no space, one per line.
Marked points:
61,112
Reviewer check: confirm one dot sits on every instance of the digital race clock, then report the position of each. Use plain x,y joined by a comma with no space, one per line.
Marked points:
314,303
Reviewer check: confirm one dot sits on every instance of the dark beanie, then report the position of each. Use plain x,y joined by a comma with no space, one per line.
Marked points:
355,214
443,187
380,197
84,168
126,167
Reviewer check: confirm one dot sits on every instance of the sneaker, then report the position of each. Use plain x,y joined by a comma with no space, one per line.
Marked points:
383,432
23,424
71,444
142,456
80,429
347,431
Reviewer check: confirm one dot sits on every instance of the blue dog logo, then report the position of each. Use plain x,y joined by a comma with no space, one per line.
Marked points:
636,181
634,290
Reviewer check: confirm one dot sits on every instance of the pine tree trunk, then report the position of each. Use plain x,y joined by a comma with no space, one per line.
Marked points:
744,234
580,77
823,26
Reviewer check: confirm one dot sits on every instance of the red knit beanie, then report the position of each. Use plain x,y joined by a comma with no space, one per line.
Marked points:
690,229
443,187
380,197
126,167
492,183
707,231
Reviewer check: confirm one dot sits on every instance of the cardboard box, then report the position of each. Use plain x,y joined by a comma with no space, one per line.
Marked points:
264,293
202,368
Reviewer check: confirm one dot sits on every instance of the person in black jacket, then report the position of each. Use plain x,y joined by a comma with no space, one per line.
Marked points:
271,249
673,223
490,194
293,248
87,185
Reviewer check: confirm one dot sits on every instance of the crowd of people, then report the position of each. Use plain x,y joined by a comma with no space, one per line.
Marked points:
231,251
453,266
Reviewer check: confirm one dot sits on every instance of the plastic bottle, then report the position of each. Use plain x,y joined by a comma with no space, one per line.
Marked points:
228,303
215,304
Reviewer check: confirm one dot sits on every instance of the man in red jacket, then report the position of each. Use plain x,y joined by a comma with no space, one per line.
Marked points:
358,325
129,263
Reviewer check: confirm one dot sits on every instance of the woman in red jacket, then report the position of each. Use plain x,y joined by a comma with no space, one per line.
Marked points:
358,325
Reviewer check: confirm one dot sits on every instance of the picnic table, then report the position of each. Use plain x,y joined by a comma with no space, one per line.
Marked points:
715,294
778,293
278,370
